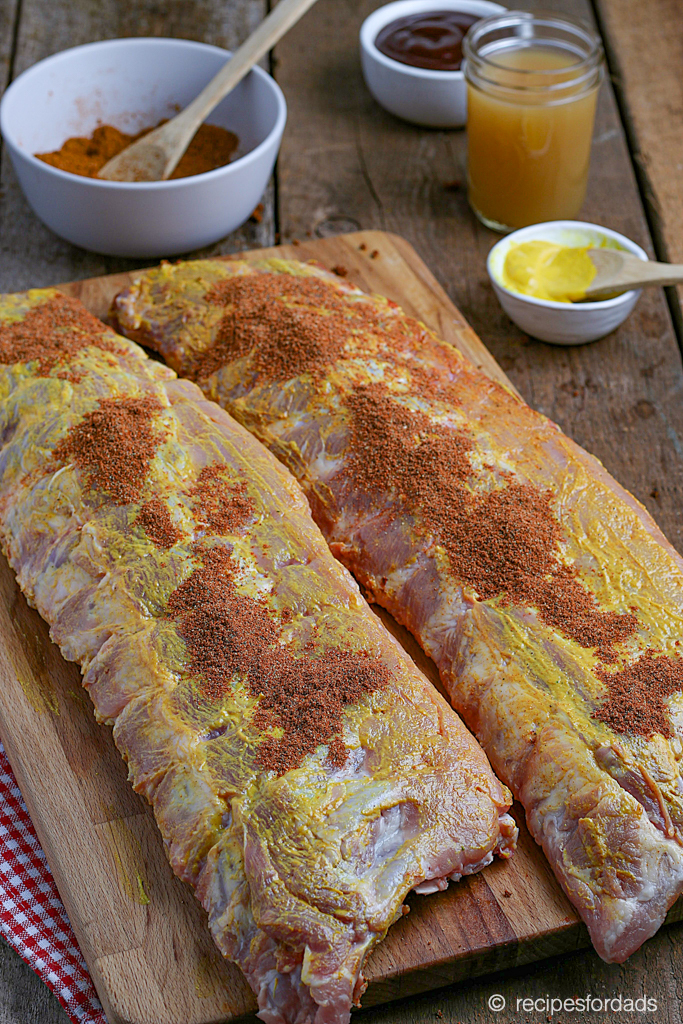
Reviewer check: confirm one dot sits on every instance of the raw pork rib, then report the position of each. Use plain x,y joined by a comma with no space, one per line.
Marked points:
545,593
303,772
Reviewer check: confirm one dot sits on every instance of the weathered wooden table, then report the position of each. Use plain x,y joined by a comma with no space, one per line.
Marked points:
346,164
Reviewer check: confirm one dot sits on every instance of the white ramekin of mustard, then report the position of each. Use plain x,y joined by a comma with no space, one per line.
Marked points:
540,273
411,54
532,83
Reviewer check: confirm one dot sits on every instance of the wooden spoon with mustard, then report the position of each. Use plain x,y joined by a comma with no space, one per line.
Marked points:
155,156
618,271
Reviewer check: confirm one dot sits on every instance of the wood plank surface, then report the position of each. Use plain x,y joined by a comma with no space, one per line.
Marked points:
645,49
144,938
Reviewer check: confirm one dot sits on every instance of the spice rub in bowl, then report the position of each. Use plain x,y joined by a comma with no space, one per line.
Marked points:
134,83
211,147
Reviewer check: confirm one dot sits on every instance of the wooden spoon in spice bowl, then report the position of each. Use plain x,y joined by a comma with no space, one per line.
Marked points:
155,156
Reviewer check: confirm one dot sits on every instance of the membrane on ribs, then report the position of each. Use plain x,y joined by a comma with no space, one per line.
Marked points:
545,593
303,773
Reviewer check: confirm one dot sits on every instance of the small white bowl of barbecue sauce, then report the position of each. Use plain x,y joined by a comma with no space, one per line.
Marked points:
411,54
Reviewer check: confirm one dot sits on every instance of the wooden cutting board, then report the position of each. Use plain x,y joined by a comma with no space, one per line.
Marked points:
143,935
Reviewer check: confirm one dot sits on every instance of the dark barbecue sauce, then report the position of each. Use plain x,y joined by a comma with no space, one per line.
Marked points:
432,40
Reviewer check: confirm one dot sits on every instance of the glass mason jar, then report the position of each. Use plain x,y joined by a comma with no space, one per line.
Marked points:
532,84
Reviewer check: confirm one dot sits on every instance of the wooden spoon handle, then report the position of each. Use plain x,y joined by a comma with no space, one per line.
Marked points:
654,273
269,32
635,273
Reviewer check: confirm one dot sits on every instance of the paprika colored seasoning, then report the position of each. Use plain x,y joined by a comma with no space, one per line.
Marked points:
211,147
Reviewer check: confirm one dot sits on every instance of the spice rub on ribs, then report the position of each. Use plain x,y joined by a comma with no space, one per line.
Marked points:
550,601
303,773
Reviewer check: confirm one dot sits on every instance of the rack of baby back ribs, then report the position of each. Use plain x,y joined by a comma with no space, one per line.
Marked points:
544,592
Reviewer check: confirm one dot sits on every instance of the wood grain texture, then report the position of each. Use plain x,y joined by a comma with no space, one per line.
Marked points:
143,936
30,255
645,47
9,12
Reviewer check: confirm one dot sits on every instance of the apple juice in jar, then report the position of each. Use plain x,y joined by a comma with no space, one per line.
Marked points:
532,84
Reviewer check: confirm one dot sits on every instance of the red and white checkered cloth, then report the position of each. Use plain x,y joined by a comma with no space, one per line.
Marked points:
32,916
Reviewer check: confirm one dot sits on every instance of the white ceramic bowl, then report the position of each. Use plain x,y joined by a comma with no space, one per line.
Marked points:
562,323
133,83
436,99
